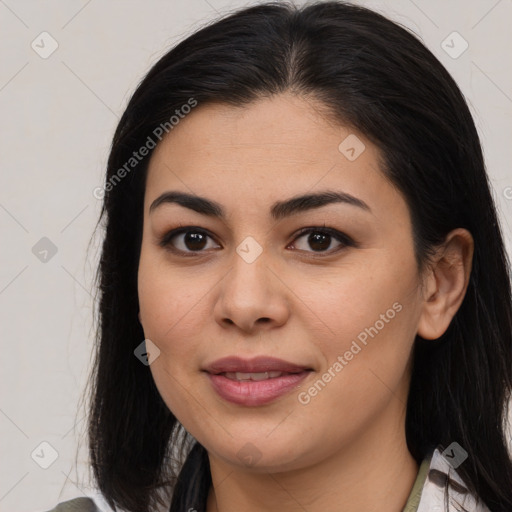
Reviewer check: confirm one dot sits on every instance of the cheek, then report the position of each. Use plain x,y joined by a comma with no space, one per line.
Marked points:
367,318
351,298
170,307
365,365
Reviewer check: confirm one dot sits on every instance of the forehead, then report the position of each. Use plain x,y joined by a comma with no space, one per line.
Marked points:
282,126
259,153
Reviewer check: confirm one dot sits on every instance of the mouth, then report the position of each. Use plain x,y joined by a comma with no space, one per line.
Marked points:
257,381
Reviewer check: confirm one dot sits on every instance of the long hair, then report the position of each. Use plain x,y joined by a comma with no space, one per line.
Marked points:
375,76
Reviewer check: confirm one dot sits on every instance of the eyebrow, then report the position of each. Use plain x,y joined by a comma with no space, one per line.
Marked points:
279,209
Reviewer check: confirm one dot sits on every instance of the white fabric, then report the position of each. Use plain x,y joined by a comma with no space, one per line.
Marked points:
433,495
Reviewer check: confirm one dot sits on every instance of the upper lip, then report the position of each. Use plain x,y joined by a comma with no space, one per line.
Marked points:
255,365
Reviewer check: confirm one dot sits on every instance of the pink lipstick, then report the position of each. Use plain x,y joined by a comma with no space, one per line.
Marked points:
257,381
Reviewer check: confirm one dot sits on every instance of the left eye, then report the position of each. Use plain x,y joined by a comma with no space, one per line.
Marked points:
320,238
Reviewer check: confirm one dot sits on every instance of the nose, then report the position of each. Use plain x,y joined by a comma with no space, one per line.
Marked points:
252,296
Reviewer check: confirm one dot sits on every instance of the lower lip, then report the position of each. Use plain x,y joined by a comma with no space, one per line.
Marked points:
251,393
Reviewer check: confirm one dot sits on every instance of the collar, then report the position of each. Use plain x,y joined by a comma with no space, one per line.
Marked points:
442,489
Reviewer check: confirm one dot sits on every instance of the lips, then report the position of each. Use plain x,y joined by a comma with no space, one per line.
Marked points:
255,382
257,365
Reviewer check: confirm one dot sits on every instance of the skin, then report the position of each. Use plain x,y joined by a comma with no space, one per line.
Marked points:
294,302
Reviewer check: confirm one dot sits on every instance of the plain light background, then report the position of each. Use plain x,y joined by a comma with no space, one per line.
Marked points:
58,115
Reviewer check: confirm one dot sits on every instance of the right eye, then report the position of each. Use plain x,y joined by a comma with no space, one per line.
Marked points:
186,240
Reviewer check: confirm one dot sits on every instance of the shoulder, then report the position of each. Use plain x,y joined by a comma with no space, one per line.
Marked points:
76,505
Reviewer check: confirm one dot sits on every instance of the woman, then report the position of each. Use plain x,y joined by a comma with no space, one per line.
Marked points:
304,293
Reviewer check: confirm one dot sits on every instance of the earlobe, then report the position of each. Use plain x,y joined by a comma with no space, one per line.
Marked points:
446,284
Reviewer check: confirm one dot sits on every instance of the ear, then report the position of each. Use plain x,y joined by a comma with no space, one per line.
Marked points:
445,283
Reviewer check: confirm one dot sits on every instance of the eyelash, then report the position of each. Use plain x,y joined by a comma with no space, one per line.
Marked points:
345,240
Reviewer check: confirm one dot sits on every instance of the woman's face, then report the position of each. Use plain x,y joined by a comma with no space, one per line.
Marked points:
248,283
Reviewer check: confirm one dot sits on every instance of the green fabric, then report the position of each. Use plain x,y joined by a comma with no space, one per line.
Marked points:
76,505
415,496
